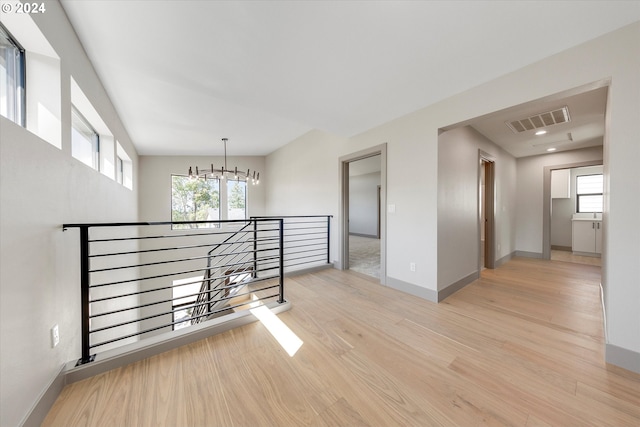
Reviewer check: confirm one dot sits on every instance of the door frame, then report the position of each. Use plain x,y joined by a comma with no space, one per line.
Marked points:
546,201
344,205
487,162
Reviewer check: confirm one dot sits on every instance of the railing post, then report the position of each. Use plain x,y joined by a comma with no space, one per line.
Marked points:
255,248
84,296
281,260
328,239
209,305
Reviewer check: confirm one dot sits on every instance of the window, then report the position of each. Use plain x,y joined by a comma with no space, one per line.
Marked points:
185,295
236,199
210,199
12,78
85,142
124,167
194,200
119,170
589,190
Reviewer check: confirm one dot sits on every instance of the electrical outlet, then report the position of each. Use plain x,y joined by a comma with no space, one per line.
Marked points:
55,336
412,266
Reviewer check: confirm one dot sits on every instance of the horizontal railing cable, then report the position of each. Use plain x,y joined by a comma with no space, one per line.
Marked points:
165,288
161,314
137,280
168,262
164,275
175,248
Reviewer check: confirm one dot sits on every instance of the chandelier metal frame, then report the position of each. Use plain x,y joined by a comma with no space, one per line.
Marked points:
224,172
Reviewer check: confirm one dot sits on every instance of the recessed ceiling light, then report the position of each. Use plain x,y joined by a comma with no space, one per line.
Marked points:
541,132
551,149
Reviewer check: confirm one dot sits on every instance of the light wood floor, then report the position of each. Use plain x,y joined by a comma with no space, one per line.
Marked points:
523,346
568,256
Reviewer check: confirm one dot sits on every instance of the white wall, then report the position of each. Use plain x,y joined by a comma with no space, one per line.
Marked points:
42,187
458,233
301,178
363,204
412,156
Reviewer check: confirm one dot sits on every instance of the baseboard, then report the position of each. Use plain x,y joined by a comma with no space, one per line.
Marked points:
455,287
69,373
622,357
45,401
370,236
591,254
527,254
504,259
411,289
615,355
306,270
164,342
604,314
561,248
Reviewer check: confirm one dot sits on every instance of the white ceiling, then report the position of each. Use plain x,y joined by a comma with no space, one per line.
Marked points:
184,74
585,128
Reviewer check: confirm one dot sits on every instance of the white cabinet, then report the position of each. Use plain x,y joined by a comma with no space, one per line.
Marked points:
587,236
561,183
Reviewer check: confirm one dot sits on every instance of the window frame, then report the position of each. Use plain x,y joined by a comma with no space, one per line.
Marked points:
223,203
95,137
200,226
119,170
20,89
579,195
189,300
228,197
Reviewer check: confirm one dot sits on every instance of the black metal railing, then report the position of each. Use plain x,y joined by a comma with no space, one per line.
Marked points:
307,240
141,279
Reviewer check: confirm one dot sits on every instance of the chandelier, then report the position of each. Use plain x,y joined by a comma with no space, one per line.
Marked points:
225,173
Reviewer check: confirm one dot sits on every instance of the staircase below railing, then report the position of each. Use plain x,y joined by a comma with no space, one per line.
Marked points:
139,280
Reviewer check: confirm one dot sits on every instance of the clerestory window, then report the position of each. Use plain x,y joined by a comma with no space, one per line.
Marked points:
85,141
12,78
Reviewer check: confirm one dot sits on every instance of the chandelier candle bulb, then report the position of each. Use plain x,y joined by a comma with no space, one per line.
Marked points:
225,172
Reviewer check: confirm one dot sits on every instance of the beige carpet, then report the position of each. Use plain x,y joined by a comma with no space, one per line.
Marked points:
364,255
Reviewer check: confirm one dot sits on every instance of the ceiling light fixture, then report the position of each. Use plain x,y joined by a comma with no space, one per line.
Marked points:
551,149
224,172
541,132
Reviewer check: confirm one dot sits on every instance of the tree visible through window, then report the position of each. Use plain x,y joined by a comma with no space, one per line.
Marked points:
237,199
195,200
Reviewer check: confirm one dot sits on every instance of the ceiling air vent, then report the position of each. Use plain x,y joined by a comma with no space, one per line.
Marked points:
541,120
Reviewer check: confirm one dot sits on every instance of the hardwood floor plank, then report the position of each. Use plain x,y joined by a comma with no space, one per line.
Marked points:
525,401
453,401
521,346
340,413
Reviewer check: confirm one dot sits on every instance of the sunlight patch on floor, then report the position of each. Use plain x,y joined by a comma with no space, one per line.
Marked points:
281,332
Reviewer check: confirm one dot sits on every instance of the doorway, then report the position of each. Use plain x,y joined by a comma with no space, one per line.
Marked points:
561,208
363,218
486,210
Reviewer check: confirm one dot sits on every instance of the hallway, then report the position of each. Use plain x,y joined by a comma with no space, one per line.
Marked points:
364,255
